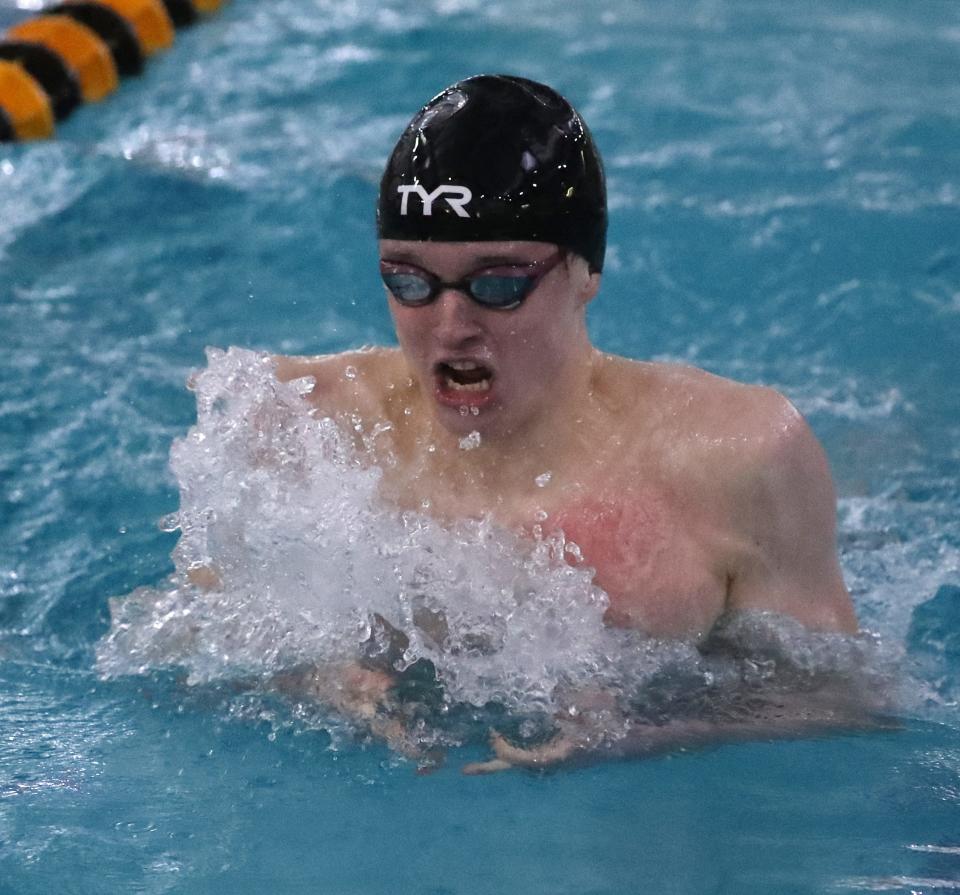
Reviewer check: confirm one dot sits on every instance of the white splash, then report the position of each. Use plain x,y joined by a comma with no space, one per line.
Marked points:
279,503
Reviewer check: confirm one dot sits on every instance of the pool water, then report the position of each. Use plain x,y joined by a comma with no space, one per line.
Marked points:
785,208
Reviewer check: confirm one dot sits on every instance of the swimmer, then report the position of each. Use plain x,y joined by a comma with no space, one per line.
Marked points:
691,496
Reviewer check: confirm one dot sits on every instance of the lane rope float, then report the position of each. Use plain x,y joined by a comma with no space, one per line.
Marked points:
6,128
113,29
181,12
80,47
25,105
150,22
49,70
77,51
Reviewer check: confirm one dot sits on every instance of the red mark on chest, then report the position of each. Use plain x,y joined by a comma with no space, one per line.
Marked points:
644,547
628,539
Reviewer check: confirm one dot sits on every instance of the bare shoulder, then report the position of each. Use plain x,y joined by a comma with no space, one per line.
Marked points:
701,412
348,382
750,439
751,432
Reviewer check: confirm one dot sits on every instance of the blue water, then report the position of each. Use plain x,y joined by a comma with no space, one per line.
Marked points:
785,208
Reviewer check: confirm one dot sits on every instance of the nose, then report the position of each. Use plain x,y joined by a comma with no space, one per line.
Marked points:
456,318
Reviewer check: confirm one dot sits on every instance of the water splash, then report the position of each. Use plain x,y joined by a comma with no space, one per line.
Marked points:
281,512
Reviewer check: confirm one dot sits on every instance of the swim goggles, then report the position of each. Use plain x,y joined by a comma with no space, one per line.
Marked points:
502,292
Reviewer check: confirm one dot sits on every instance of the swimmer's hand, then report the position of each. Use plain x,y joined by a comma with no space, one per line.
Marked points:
556,751
589,724
631,740
362,695
357,692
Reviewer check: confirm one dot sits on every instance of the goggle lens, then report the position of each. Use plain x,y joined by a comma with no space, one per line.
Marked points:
499,291
409,288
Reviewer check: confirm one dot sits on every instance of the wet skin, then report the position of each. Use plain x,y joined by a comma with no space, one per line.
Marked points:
688,494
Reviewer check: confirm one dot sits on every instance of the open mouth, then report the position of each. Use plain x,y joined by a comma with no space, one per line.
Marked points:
464,379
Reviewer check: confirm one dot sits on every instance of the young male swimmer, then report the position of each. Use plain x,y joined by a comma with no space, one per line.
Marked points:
691,496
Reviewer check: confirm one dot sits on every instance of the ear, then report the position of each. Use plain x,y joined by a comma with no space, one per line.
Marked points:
586,284
591,287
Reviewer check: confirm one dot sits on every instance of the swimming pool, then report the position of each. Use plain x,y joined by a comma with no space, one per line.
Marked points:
785,208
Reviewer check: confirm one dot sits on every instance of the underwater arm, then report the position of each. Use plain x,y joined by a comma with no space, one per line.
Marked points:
356,691
365,690
359,694
785,715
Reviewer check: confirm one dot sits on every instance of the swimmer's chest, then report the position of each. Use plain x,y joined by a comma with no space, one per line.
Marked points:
651,554
651,550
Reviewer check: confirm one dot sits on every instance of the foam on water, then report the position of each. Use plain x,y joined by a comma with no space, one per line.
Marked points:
314,568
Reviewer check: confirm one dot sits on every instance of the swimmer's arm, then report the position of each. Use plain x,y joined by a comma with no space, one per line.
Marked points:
785,512
356,691
833,709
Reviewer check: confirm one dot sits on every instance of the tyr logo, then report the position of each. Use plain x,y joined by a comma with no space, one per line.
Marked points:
461,192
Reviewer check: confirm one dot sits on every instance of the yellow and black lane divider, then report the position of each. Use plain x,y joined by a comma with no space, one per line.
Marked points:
76,52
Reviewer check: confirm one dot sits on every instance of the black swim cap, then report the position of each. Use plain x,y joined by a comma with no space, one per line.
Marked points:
497,157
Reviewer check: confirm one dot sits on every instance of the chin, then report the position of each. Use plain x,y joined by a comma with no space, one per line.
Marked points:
492,423
484,420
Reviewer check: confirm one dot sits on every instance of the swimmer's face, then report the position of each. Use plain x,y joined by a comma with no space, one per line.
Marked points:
486,369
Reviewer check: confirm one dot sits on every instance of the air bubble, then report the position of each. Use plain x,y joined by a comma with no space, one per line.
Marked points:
470,442
170,522
350,372
304,385
528,728
543,479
